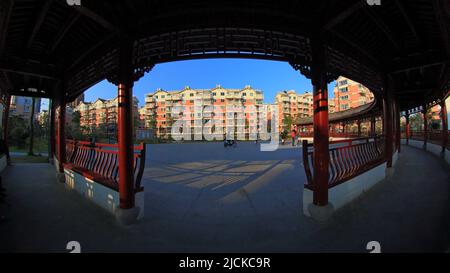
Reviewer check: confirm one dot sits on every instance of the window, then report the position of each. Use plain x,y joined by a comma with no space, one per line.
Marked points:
222,100
214,93
343,89
244,94
191,95
222,94
344,97
344,82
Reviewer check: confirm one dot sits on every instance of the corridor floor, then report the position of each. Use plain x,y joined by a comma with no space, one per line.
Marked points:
230,201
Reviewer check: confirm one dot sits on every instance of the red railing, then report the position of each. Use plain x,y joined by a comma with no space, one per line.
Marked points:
100,162
433,136
348,158
334,134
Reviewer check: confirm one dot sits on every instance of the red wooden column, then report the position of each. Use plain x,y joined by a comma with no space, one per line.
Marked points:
388,123
407,129
52,130
397,127
372,125
61,135
444,125
5,128
125,125
320,122
425,126
359,128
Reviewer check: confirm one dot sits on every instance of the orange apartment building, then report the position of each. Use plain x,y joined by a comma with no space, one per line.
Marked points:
296,106
350,94
101,113
199,108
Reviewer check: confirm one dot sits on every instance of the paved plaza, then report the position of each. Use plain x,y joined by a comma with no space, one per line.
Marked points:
201,197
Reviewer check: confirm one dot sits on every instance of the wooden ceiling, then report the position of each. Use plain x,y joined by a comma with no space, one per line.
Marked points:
48,44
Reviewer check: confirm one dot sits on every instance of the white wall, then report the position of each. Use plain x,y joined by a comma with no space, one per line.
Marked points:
99,194
348,191
432,148
3,162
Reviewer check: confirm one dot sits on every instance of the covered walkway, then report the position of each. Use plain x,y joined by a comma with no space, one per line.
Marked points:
406,212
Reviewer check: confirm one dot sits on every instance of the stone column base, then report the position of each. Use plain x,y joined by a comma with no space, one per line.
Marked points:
321,213
127,217
389,171
61,177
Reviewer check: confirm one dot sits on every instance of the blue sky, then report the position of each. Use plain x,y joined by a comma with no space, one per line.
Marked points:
269,76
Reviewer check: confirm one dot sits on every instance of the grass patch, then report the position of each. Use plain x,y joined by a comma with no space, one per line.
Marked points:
29,159
40,146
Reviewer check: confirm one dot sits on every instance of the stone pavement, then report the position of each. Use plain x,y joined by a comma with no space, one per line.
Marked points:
205,198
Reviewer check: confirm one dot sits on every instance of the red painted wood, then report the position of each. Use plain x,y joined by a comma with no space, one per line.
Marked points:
388,125
125,125
347,159
408,129
444,125
100,162
61,135
425,126
5,127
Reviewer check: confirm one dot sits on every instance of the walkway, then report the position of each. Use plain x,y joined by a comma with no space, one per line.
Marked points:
232,203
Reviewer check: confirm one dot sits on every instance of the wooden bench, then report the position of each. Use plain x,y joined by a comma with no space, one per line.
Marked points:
100,162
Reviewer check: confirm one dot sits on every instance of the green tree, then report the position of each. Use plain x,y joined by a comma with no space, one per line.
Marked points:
73,128
17,131
287,122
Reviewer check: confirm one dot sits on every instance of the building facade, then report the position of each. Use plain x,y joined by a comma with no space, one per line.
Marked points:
293,105
102,113
215,110
350,94
76,102
21,106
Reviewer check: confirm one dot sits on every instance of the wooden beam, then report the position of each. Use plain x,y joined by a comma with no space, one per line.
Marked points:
37,94
63,32
356,46
36,71
442,22
382,26
37,25
408,20
343,15
4,22
97,18
417,66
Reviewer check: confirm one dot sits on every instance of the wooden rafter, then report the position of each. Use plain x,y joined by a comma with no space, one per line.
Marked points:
39,21
63,32
97,18
29,70
443,25
382,26
343,15
4,23
408,20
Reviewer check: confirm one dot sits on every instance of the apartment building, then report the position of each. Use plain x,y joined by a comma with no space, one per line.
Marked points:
294,105
142,113
102,113
350,94
215,110
21,106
